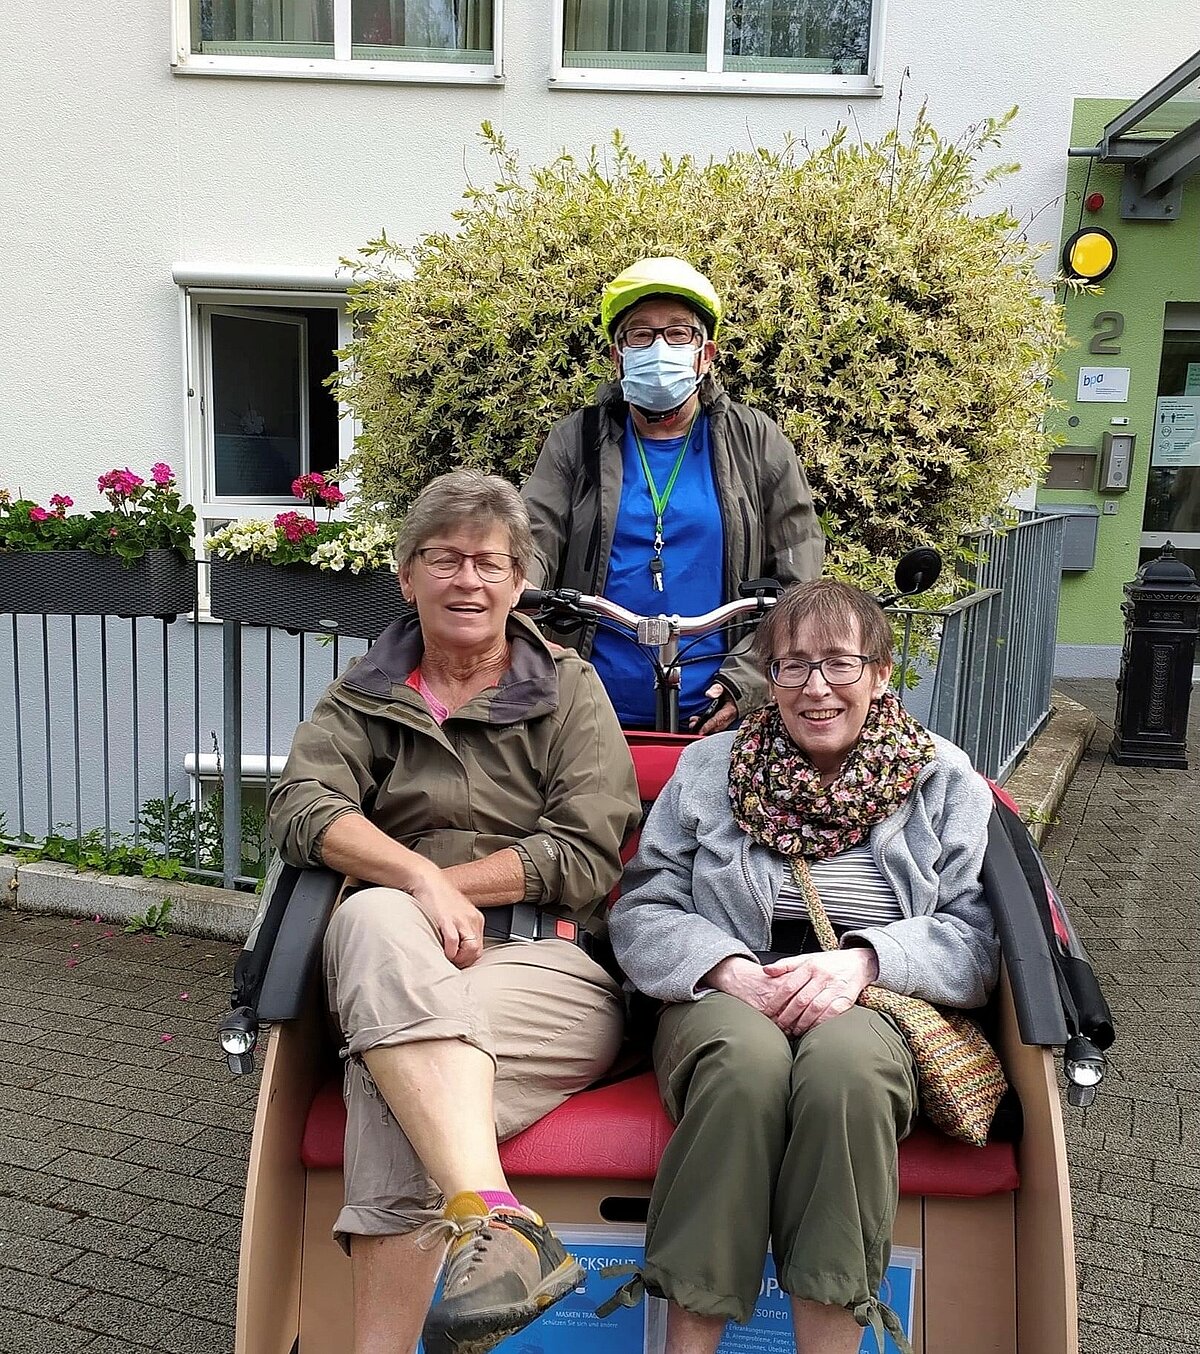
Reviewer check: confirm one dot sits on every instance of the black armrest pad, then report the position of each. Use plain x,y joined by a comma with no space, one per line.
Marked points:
1027,958
298,944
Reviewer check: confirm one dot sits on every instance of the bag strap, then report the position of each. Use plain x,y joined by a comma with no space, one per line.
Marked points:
821,925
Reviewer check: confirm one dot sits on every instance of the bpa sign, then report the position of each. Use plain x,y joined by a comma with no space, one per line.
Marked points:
1103,385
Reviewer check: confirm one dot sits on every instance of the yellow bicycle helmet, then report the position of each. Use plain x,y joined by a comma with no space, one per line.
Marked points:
660,277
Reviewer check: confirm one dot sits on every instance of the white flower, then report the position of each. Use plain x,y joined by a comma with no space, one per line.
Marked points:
253,539
354,546
330,555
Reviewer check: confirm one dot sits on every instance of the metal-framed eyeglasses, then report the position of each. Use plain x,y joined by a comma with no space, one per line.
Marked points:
839,669
443,562
676,335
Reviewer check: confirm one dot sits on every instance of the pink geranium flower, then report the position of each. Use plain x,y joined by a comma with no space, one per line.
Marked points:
331,495
162,473
295,527
119,484
60,503
309,486
37,514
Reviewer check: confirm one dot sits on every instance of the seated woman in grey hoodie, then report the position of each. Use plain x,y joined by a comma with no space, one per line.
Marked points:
790,1098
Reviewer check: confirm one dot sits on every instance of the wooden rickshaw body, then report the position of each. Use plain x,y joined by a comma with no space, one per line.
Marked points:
997,1269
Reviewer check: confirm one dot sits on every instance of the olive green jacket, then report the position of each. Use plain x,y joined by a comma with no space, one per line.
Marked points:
767,516
537,763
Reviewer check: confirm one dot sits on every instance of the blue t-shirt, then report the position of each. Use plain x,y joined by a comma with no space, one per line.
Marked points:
693,568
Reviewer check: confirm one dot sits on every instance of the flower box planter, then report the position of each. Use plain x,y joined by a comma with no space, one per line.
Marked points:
303,597
79,583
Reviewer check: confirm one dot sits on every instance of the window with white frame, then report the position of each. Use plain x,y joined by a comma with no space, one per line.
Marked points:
374,39
260,411
819,45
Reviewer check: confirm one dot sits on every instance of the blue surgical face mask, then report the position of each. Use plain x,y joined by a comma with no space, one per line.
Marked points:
658,378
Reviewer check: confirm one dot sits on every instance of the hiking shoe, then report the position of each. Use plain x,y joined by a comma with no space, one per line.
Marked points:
505,1267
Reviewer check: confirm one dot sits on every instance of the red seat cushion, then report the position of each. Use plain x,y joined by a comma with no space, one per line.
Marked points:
325,1129
654,759
619,1132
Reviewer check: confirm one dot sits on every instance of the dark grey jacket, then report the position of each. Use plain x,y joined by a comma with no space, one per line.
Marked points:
770,527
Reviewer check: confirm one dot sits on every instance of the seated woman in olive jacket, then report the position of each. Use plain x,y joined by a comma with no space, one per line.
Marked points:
477,779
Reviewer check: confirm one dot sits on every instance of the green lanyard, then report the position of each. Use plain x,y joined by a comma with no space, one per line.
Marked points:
660,501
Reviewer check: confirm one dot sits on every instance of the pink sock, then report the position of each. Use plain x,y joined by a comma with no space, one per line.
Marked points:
499,1198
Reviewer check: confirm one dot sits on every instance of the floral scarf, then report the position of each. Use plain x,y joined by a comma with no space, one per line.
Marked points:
777,795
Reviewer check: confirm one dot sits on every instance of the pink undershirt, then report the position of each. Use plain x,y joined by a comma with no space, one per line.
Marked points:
416,680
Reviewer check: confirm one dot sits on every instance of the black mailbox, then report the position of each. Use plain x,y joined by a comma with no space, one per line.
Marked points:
1162,616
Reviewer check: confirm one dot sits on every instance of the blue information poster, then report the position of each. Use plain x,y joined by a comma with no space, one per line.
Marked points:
572,1326
770,1329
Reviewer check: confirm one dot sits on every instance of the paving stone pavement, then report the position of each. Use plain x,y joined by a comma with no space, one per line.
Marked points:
123,1139
1126,851
123,1142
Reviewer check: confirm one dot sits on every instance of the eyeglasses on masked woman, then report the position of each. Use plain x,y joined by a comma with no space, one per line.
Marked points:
444,562
841,669
676,335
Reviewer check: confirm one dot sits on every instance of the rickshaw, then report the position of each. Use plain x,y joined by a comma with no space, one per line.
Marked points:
992,1225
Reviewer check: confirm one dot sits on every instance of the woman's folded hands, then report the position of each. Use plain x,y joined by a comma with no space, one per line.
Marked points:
799,992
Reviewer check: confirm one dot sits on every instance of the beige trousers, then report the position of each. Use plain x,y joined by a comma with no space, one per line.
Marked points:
550,1018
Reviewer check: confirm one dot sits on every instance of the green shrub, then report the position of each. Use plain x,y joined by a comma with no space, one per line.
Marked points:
156,920
174,841
902,343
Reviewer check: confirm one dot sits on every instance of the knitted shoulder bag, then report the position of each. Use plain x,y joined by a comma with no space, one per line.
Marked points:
960,1082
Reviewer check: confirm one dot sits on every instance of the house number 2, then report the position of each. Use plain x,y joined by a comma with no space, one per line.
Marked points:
1109,326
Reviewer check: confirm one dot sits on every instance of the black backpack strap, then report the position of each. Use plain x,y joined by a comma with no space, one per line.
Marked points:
297,950
589,461
272,971
1033,975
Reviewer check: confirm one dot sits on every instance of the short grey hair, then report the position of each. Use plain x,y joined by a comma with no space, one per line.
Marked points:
466,497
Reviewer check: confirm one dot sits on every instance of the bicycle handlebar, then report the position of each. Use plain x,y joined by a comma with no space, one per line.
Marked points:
647,629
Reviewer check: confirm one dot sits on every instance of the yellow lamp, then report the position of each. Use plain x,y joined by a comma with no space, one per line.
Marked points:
1089,255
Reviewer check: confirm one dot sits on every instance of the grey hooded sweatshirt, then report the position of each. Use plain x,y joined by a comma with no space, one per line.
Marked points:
700,890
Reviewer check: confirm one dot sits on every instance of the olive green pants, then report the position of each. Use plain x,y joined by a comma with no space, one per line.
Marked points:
784,1141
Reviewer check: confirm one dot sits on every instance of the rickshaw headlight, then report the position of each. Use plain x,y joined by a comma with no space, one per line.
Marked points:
238,1031
1084,1066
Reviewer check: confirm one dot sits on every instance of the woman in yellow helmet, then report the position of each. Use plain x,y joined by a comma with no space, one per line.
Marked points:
666,495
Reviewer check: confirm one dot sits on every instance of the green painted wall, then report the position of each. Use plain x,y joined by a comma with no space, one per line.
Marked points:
1157,262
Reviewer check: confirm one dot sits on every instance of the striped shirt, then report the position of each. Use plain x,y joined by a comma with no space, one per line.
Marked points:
850,887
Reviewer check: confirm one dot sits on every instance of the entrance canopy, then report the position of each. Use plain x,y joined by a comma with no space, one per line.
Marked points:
1157,139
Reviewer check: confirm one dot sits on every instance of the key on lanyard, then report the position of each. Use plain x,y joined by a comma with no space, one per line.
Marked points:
660,501
656,562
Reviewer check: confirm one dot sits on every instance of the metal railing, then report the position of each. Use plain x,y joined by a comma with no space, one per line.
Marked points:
148,746
122,740
990,692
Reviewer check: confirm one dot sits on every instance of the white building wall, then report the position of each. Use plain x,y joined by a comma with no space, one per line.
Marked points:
115,169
